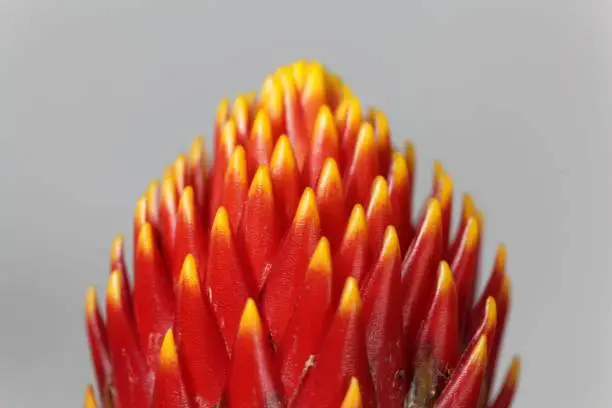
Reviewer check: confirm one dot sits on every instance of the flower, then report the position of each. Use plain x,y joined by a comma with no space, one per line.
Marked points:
291,272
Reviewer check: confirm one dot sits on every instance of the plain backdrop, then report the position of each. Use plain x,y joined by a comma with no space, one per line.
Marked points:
513,96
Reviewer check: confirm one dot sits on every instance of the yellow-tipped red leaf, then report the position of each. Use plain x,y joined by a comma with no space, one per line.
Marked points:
464,387
352,398
153,296
169,389
343,356
227,284
289,267
132,382
202,347
259,228
253,380
302,340
509,386
382,312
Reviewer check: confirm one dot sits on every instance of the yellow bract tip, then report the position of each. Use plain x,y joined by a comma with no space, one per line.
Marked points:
321,257
113,290
446,281
325,120
514,372
410,156
91,302
491,313
282,155
116,247
380,192
140,212
350,301
307,207
189,273
90,399
330,174
365,139
299,73
357,222
261,183
186,204
501,257
472,233
222,110
352,398
399,168
167,354
433,217
221,224
197,151
250,322
391,245
479,353
314,86
227,138
237,164
445,189
145,243
262,125
469,208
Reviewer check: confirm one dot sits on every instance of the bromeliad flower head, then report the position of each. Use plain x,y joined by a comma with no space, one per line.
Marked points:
291,273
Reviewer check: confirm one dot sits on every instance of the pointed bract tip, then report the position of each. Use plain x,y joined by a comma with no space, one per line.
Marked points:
189,272
196,150
250,322
350,301
315,81
410,153
186,204
330,174
352,398
282,155
479,353
357,221
222,110
91,302
221,224
365,138
380,191
514,372
307,207
490,313
113,290
116,246
262,125
145,239
399,167
445,188
501,257
391,245
261,182
446,281
167,354
472,233
469,208
90,399
237,164
140,210
433,217
321,257
325,120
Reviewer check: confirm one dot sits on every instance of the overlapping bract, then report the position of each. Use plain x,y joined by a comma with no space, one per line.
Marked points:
291,273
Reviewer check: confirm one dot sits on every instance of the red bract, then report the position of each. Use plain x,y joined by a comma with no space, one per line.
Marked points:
290,272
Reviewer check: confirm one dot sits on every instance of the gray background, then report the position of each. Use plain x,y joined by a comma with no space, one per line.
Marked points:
513,96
